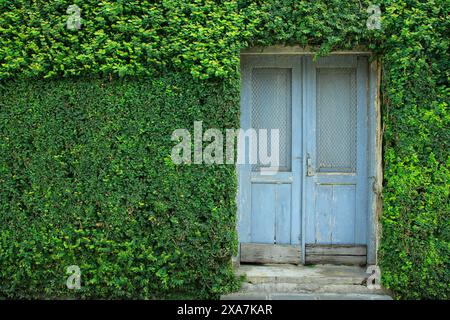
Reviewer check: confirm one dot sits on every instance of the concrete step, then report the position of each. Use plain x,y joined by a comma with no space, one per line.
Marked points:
307,288
317,274
318,282
304,296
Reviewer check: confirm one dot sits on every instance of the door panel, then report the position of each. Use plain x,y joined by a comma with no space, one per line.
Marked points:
335,214
336,207
283,200
263,213
336,120
270,203
271,213
272,109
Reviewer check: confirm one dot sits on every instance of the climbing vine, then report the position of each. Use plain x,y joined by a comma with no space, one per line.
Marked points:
88,99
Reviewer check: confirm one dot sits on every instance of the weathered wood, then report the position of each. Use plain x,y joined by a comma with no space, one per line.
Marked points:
267,253
329,259
376,167
336,254
335,250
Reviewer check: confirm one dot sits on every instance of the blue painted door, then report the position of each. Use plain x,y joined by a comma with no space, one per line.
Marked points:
336,151
318,194
269,198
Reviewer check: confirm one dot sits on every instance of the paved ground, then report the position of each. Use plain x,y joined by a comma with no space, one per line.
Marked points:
319,282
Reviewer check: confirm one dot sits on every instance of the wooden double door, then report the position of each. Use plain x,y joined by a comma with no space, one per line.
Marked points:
312,207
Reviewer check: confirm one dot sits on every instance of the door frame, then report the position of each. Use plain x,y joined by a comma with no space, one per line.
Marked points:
374,145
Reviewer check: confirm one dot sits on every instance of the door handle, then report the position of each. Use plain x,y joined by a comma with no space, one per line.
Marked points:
309,167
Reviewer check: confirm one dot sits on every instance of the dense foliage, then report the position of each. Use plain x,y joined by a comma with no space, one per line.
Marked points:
87,180
84,169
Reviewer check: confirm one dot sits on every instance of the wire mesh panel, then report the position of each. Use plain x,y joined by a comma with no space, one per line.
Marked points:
336,120
271,109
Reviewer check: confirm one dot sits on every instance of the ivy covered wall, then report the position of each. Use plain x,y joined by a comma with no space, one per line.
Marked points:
78,107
